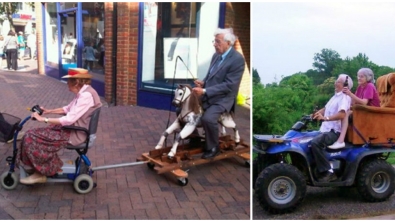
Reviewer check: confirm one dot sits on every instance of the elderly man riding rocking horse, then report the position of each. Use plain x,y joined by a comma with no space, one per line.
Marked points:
220,87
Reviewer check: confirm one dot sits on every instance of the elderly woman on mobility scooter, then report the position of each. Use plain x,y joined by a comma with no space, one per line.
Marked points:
39,146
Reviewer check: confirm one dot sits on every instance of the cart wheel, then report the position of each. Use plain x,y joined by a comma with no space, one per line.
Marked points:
151,165
83,184
247,164
182,181
9,181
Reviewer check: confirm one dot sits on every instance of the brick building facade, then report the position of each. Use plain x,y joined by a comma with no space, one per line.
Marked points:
121,81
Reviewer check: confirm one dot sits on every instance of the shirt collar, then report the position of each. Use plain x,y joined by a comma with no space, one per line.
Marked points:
226,53
338,93
83,89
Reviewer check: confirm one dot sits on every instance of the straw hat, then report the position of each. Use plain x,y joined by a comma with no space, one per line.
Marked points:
78,73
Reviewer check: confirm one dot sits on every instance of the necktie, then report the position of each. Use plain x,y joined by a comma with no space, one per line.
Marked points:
215,66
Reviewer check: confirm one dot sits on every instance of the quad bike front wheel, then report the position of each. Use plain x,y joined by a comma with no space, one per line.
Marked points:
376,181
9,180
280,188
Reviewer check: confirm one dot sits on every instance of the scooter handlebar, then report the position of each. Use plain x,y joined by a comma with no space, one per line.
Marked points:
37,109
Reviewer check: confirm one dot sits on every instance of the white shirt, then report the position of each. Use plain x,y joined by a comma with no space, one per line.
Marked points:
31,40
338,102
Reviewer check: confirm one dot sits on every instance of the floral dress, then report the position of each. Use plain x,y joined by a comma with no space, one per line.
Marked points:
39,149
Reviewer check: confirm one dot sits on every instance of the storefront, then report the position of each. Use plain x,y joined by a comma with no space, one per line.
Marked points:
73,37
24,22
137,52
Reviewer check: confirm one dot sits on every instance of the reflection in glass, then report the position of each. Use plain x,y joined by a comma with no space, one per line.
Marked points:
177,44
52,34
93,54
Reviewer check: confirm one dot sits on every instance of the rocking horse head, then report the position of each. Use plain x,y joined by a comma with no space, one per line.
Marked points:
184,95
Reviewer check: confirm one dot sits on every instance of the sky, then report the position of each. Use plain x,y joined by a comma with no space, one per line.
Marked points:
286,35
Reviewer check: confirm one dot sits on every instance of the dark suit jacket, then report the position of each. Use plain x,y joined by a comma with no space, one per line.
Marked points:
222,86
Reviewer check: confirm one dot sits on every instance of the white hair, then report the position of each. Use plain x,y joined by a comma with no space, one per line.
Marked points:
343,78
228,35
368,73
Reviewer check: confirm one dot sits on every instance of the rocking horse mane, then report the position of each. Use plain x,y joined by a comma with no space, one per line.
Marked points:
194,102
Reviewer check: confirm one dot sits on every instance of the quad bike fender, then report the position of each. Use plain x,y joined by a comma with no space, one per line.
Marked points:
286,148
351,169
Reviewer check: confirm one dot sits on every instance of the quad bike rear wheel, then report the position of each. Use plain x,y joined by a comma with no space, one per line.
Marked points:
280,188
376,181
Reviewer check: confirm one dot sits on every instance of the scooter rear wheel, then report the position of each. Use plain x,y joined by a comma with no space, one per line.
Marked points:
9,181
83,184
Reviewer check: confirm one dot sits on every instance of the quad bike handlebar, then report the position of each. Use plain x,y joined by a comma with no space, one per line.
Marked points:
303,122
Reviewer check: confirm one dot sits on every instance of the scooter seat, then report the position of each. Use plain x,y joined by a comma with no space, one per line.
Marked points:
92,138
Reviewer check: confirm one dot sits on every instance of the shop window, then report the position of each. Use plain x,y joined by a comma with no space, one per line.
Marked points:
67,5
68,40
52,35
177,33
19,6
93,37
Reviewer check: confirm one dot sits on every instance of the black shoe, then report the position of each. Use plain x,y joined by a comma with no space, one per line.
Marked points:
328,177
210,153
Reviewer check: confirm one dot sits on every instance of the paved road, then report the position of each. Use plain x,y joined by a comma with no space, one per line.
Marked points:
332,203
219,190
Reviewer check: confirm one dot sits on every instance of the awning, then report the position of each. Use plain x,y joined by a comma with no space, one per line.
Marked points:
21,22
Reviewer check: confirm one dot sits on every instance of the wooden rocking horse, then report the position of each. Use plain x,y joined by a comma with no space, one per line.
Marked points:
189,118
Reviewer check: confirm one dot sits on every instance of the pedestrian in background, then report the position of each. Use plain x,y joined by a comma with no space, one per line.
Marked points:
21,42
31,43
2,42
12,50
90,56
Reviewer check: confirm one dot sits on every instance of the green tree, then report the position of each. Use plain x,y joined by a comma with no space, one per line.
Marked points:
315,76
278,107
256,79
9,8
382,70
351,66
326,61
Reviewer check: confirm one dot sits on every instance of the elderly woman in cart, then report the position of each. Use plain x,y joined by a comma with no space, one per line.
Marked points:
366,94
39,146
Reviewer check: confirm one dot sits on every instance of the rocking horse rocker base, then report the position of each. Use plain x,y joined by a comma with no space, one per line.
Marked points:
187,156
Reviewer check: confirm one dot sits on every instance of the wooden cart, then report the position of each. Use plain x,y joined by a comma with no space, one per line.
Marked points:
187,156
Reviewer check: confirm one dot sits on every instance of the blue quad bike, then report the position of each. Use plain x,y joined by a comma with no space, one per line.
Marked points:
284,166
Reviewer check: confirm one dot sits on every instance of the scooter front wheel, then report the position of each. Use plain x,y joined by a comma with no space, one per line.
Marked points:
9,180
83,184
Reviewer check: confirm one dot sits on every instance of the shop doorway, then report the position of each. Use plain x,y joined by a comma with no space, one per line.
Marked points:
68,41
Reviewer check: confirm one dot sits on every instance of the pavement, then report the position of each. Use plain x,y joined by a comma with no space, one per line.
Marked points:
382,217
24,65
217,190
